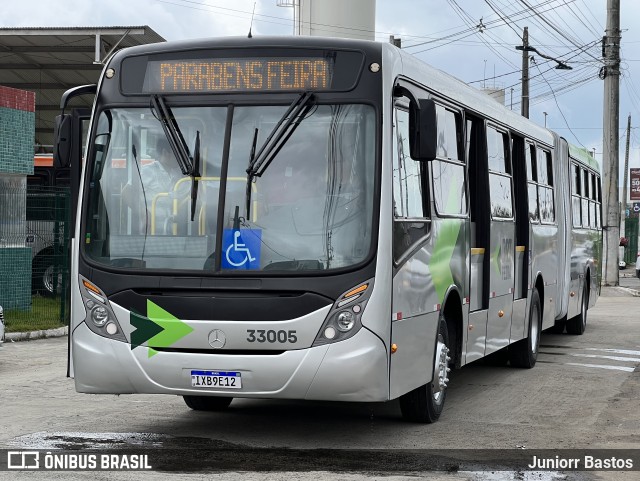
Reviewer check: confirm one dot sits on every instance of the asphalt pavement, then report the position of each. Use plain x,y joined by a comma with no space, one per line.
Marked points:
582,394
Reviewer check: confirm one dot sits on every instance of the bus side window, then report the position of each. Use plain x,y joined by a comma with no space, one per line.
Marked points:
545,186
532,176
409,194
596,196
585,198
500,185
593,208
575,195
449,189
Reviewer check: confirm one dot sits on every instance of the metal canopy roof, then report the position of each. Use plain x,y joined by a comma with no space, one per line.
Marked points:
49,61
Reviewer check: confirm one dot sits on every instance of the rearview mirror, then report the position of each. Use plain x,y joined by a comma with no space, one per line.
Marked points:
423,129
62,141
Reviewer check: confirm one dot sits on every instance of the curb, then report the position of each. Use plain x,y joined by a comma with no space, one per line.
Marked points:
32,335
628,290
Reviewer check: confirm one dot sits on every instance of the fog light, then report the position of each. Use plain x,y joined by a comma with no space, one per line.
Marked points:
329,333
111,328
345,321
100,316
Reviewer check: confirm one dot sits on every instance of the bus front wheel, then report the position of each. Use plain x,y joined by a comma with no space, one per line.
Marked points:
425,403
207,403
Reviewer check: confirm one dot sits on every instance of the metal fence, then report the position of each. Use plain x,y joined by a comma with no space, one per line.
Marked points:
631,233
35,257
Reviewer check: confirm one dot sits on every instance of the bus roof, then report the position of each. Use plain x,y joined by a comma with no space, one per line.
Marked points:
583,155
462,93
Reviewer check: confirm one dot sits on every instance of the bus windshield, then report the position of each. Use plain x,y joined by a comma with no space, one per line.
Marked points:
309,208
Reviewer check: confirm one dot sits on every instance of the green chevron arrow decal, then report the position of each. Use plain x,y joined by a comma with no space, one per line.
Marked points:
158,329
145,330
440,262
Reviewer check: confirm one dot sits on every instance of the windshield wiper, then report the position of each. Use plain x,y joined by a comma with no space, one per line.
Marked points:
174,135
195,174
285,127
188,165
252,156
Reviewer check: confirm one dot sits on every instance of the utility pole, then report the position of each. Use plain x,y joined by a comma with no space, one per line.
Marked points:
623,216
524,107
526,48
611,51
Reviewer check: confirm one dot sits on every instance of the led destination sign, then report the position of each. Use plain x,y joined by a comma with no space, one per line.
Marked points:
239,75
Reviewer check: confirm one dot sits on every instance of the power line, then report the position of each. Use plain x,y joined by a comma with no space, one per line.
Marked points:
559,109
553,26
488,25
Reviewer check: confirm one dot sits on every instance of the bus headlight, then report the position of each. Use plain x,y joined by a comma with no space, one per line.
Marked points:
100,317
343,320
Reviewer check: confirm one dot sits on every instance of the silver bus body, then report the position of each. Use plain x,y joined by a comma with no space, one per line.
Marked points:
484,292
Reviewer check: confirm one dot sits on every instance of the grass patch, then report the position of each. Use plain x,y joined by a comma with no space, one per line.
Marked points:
44,314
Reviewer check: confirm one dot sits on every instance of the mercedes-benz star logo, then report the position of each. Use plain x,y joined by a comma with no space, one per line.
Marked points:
217,339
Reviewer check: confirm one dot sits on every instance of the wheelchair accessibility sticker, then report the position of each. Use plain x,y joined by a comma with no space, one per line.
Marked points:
241,248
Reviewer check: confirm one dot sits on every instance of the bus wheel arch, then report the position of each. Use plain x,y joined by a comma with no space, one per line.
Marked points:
452,312
425,403
539,286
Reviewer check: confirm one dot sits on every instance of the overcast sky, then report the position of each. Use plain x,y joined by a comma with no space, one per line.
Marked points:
444,33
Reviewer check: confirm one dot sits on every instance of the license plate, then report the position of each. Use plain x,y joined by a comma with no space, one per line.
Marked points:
216,379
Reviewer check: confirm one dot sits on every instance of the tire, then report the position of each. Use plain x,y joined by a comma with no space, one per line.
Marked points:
524,353
577,325
207,403
42,275
558,327
496,359
425,403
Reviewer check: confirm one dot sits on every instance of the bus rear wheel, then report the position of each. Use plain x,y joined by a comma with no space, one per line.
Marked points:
425,403
578,324
524,353
207,403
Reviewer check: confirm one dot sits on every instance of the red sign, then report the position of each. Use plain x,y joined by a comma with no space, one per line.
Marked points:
634,178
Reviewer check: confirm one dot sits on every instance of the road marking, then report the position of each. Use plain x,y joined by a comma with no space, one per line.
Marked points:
616,351
602,366
594,356
612,358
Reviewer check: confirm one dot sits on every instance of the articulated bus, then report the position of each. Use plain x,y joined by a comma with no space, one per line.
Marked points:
315,219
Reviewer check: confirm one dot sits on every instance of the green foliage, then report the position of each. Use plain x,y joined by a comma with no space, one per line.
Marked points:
43,314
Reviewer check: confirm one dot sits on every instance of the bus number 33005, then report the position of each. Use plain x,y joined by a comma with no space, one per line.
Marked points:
271,336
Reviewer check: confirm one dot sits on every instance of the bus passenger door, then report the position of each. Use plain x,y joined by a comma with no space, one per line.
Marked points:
479,238
520,161
502,239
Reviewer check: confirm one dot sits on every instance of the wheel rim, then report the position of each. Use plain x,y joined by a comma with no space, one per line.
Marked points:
47,279
440,371
535,329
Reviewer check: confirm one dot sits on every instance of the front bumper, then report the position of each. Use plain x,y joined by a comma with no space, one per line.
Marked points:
352,370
